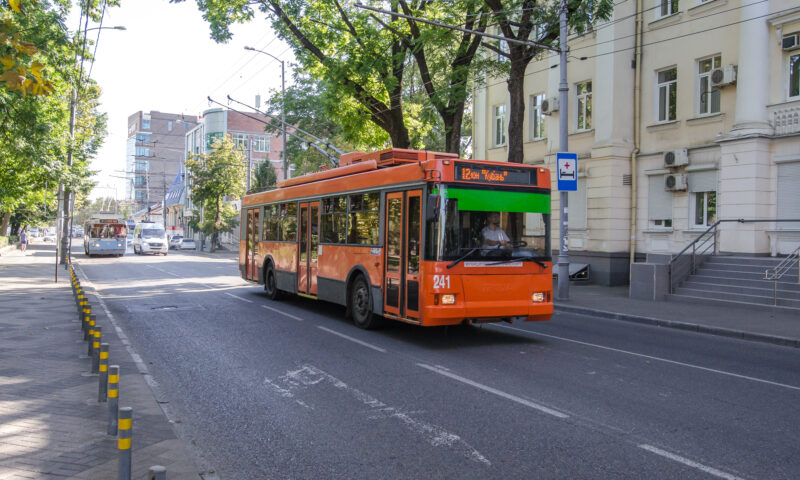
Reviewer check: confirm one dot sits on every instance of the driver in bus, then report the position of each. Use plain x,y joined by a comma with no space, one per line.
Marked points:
493,235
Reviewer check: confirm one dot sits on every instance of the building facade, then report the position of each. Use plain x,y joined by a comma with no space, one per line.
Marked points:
248,131
155,153
690,118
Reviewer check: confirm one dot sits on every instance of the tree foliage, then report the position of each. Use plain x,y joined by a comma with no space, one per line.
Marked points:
213,176
264,176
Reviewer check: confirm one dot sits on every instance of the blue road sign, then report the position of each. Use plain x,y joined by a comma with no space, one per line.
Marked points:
567,167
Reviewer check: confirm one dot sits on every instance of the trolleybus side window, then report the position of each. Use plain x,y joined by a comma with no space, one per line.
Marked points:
334,219
288,222
269,225
363,218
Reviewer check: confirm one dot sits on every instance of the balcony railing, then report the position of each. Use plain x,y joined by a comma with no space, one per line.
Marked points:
785,117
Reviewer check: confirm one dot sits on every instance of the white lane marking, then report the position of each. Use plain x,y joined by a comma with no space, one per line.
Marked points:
355,340
293,317
650,357
237,297
163,271
308,376
690,463
495,391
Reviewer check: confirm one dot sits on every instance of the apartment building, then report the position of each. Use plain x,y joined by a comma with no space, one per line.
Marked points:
155,152
250,134
691,118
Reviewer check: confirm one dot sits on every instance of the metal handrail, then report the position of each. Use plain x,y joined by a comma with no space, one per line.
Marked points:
777,272
702,241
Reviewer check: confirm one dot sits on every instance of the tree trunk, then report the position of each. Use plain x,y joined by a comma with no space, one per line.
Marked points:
214,226
516,114
6,219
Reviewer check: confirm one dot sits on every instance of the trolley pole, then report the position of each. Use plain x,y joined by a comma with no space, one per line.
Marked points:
563,146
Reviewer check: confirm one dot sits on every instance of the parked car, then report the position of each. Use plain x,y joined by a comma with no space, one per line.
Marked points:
187,244
49,237
175,241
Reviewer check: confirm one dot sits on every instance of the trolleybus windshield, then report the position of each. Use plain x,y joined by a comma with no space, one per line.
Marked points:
461,226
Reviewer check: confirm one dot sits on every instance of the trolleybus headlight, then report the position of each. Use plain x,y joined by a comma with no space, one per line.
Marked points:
95,244
119,244
448,299
538,297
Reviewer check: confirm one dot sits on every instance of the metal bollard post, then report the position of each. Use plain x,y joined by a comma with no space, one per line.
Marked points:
113,399
102,392
87,313
124,442
91,339
95,349
157,472
89,326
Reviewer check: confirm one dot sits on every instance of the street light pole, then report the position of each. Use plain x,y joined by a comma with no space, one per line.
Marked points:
283,108
563,146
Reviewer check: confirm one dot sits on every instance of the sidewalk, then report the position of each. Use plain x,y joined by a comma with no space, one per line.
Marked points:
51,424
759,324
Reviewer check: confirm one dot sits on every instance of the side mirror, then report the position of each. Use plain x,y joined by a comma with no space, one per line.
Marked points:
432,209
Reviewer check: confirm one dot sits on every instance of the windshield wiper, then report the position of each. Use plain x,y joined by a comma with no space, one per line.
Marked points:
455,262
516,259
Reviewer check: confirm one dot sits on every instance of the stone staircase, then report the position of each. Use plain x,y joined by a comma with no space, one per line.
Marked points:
732,280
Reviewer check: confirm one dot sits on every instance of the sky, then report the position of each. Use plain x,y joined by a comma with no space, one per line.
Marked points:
165,60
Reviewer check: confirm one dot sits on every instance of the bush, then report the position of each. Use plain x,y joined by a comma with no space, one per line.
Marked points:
10,240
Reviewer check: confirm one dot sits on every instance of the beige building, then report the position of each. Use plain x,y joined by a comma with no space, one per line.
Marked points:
702,125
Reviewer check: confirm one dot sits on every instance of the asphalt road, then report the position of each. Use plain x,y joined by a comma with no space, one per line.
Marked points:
290,389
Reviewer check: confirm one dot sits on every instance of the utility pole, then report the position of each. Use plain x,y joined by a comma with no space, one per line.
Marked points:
283,107
563,146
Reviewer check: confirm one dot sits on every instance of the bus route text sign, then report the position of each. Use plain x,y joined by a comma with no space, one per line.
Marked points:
494,175
567,168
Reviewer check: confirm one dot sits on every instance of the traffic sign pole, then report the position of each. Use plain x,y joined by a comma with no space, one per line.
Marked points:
563,146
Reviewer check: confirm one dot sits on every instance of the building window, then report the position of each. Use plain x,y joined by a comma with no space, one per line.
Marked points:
707,97
502,45
667,8
583,91
145,124
142,166
794,76
704,206
140,195
142,152
142,138
140,180
537,129
499,124
260,143
240,140
659,204
788,203
667,90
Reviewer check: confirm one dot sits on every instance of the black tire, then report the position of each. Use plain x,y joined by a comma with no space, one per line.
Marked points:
360,306
271,284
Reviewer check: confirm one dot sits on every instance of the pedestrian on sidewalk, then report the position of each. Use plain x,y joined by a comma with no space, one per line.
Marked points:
23,239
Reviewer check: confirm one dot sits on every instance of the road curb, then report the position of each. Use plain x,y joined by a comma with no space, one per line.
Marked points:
694,327
7,248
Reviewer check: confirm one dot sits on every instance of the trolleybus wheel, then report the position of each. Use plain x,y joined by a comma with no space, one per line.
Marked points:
270,284
361,305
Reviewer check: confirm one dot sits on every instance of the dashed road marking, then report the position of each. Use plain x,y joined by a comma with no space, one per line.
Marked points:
293,317
495,391
690,463
650,357
354,340
238,297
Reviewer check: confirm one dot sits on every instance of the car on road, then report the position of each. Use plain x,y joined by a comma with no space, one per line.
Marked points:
49,237
175,241
187,244
150,237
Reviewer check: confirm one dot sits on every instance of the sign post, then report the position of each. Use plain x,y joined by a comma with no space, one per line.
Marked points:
567,169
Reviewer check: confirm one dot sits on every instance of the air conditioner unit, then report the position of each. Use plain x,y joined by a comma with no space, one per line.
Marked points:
549,105
676,158
723,76
676,182
791,42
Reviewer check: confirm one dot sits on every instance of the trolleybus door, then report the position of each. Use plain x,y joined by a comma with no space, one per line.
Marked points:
251,241
308,236
401,285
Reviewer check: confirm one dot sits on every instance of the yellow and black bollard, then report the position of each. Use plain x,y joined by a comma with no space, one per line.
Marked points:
92,319
95,350
102,393
157,472
113,399
91,338
124,442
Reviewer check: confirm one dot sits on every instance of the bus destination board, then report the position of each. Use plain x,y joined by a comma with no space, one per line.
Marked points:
495,175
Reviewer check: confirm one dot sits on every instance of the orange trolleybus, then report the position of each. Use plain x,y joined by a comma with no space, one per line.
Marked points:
421,237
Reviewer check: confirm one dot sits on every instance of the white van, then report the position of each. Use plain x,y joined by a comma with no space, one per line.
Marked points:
150,238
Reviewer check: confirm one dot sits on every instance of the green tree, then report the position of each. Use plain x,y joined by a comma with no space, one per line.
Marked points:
213,176
264,176
537,22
